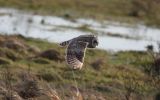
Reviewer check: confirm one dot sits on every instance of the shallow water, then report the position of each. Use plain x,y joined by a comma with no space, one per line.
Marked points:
57,29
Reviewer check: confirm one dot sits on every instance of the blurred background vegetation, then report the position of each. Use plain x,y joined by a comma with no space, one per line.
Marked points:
147,11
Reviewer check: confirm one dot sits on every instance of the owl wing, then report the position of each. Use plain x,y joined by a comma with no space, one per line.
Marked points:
75,54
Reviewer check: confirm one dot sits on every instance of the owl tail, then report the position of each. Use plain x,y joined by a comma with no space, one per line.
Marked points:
65,43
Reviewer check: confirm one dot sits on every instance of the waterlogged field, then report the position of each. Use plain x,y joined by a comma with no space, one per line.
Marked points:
36,69
33,64
132,11
113,36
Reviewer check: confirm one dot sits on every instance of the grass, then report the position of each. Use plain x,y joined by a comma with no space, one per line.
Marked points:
69,5
120,73
125,10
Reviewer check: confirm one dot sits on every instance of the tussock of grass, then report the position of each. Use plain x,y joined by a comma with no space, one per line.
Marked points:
103,74
5,61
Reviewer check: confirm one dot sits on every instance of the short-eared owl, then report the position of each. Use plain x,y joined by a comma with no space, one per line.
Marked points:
76,49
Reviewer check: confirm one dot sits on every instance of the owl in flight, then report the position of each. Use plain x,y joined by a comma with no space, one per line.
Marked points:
76,48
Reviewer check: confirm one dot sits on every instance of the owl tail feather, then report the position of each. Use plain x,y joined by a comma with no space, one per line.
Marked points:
65,43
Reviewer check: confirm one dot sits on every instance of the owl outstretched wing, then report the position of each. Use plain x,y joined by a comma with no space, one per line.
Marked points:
75,54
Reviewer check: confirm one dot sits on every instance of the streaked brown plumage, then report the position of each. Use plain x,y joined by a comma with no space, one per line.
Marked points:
76,48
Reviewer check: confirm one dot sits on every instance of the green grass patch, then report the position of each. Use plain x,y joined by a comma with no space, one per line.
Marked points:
119,72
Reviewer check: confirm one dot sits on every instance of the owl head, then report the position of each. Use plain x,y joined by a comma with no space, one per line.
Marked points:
91,39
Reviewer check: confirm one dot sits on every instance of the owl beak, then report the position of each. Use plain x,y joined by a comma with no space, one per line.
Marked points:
96,43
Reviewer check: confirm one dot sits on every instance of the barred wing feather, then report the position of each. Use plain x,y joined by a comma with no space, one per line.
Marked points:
75,54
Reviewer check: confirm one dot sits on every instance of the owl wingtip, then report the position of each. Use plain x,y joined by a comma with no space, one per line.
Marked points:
78,67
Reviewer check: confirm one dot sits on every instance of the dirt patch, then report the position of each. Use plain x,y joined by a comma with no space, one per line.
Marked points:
97,64
14,47
51,55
